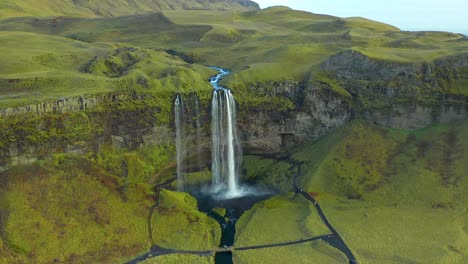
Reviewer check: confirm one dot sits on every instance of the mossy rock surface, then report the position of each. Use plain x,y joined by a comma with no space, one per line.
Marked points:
177,223
277,174
73,212
425,167
416,211
279,219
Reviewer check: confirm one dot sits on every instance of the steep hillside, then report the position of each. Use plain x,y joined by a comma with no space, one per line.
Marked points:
395,196
43,67
258,45
86,8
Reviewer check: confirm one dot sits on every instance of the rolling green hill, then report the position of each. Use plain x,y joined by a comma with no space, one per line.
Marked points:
273,44
396,196
85,8
37,73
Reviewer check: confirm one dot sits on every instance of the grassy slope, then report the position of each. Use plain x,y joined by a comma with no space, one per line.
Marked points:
37,73
395,196
71,211
260,46
84,8
178,224
282,219
279,43
400,179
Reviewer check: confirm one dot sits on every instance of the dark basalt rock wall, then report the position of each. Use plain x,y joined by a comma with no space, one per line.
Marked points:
406,96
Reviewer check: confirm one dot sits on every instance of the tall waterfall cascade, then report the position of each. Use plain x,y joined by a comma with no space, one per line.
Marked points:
226,148
178,113
198,132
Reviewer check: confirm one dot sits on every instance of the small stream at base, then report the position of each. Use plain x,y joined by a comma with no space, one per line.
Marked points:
234,209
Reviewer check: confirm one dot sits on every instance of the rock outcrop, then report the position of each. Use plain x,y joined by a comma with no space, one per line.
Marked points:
395,95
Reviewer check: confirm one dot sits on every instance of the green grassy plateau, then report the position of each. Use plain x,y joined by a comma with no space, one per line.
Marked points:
84,8
81,183
395,196
261,46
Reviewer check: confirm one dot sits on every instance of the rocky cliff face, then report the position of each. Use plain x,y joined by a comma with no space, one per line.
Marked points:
67,105
403,95
406,96
395,95
317,112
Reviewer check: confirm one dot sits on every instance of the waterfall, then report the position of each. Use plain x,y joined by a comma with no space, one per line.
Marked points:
178,111
198,132
226,148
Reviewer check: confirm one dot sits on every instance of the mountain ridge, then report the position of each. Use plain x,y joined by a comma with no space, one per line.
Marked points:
110,8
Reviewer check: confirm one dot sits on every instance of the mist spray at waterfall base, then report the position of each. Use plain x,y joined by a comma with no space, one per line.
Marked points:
226,146
225,190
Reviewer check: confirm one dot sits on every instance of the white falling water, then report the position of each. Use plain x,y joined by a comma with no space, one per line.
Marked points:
226,148
199,133
178,111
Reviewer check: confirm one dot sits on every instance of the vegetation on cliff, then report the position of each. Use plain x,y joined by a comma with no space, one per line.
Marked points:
69,210
177,224
275,44
84,8
80,190
393,195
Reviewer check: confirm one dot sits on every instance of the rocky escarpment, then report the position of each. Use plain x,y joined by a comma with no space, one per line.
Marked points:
317,111
395,95
285,113
403,95
131,134
69,104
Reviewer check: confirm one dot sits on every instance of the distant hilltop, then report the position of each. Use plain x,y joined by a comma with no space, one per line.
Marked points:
109,8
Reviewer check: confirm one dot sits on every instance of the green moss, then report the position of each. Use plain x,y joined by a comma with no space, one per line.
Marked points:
136,166
220,211
274,173
453,80
277,220
177,223
328,79
364,161
73,212
196,178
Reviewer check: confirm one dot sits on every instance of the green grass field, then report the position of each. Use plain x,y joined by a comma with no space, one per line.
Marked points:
273,44
70,210
83,8
73,68
395,196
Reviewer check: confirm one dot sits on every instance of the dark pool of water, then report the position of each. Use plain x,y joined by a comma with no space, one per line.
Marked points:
235,207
